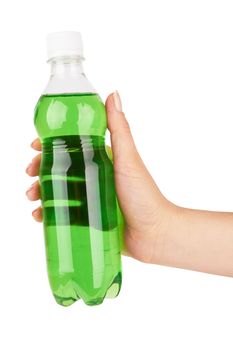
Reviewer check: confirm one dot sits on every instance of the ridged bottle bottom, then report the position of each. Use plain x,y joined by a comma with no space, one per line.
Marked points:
112,292
83,263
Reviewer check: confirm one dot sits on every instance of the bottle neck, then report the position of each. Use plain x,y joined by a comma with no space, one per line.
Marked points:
67,77
66,66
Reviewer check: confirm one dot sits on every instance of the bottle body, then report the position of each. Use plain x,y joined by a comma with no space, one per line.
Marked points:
78,198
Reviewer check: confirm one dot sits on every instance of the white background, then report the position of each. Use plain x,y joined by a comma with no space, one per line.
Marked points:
172,62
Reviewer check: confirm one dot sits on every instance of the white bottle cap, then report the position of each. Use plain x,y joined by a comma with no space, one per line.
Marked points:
66,43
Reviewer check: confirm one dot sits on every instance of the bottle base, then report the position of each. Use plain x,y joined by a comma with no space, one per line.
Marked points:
112,292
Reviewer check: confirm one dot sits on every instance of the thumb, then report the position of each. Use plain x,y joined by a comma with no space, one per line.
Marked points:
123,147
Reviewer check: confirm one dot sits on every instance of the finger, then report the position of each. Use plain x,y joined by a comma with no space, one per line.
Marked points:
36,144
37,214
123,147
34,166
33,193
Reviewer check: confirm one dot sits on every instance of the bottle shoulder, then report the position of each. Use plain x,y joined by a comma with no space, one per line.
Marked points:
70,114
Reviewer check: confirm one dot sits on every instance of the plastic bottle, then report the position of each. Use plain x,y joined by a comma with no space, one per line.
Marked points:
80,212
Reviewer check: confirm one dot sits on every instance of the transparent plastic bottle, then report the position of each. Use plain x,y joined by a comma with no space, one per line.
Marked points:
80,211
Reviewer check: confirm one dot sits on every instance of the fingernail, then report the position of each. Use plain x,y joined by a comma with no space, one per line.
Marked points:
28,192
28,168
117,101
29,195
32,144
34,212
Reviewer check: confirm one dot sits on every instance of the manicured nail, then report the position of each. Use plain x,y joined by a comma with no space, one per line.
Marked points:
117,101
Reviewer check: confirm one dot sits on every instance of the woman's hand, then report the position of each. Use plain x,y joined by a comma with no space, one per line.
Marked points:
157,231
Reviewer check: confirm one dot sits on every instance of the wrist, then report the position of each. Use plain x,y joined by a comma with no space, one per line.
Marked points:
168,227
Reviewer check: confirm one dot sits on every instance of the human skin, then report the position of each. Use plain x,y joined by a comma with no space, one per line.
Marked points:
156,230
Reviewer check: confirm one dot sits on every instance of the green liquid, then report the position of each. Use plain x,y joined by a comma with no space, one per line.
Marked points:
79,200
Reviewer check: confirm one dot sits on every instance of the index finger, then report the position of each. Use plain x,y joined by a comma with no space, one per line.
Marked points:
36,144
